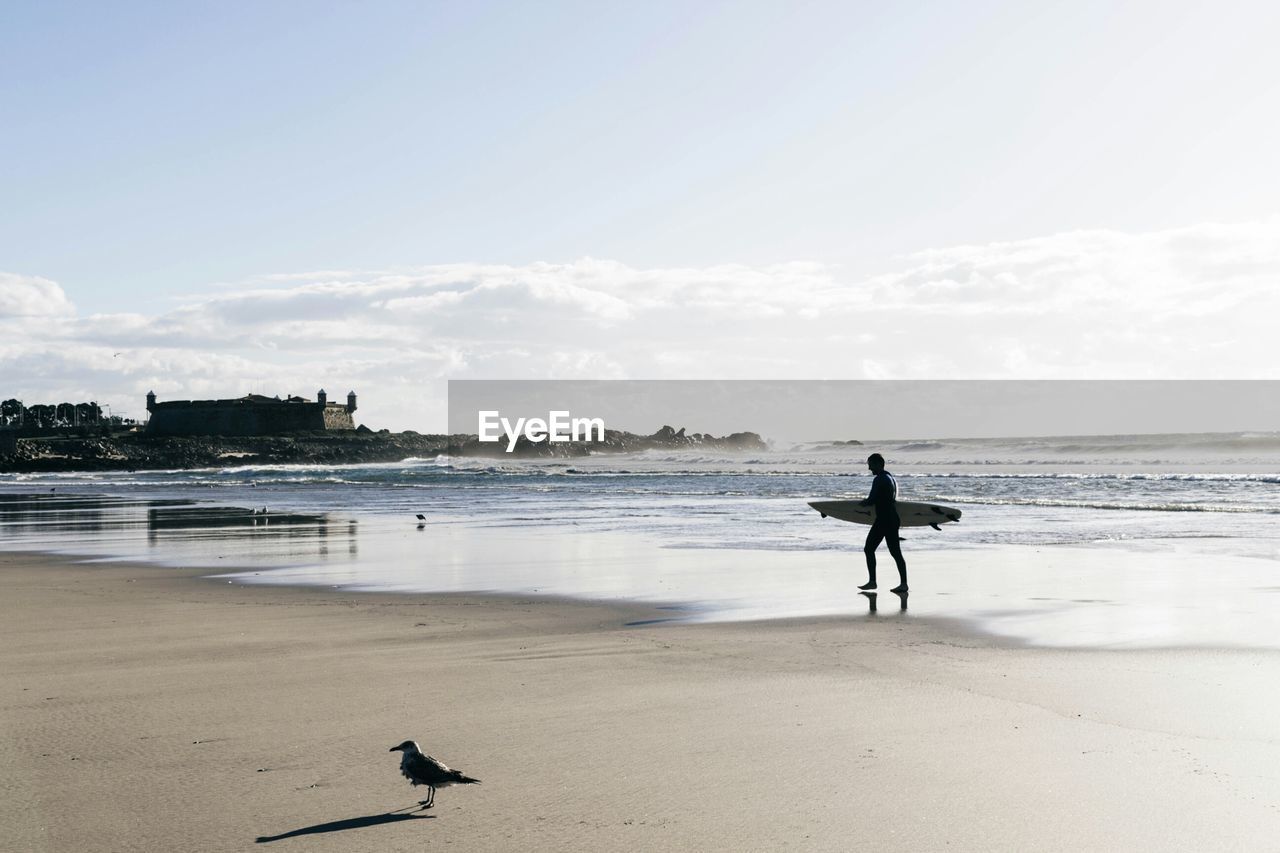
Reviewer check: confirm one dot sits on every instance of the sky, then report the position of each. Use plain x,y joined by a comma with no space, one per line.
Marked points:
210,199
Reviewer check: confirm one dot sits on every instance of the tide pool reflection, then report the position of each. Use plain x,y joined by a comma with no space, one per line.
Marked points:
294,536
872,597
40,514
176,531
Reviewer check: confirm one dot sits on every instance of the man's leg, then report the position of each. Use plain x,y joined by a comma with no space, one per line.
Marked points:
895,550
874,537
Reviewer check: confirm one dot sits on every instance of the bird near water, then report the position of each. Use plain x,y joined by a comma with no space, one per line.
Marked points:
422,769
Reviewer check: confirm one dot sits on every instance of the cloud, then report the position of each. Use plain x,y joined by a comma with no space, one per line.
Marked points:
31,296
1193,302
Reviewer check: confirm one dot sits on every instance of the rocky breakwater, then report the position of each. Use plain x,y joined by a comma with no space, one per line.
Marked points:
139,451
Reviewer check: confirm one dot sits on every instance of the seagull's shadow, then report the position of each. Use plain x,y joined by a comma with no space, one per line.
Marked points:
349,823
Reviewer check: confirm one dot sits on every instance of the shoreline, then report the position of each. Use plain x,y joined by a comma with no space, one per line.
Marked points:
145,711
605,613
1124,614
623,613
1150,593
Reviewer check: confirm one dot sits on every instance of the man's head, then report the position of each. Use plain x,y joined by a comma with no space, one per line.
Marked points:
876,463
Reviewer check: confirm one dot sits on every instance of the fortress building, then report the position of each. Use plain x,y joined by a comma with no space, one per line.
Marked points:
252,414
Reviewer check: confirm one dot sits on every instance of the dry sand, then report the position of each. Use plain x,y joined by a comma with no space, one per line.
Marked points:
146,709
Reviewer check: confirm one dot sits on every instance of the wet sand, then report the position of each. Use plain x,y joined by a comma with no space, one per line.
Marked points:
1149,593
147,709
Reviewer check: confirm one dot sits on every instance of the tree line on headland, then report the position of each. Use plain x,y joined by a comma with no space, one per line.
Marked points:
52,416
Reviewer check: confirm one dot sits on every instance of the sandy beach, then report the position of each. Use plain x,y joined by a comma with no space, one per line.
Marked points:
565,388
146,708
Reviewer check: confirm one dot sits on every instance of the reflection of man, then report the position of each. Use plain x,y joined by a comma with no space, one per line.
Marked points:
884,497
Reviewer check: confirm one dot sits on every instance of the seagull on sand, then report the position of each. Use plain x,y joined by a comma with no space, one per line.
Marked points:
422,769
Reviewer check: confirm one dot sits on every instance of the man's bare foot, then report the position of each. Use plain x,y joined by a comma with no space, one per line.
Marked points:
899,588
868,585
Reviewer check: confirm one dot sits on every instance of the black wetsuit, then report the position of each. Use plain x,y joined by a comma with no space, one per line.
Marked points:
884,497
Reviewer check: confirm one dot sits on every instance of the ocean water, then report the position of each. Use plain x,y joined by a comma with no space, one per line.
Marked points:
728,536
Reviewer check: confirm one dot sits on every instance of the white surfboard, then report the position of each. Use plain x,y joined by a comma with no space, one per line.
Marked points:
911,513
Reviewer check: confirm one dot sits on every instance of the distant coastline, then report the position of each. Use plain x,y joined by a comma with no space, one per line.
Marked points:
128,451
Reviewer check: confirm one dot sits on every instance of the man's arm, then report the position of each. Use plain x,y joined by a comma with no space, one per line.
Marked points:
871,498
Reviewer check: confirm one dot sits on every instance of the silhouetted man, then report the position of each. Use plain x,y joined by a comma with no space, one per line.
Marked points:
884,497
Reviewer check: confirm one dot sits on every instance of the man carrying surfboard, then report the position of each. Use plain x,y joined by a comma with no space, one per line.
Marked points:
884,497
